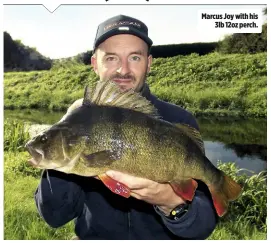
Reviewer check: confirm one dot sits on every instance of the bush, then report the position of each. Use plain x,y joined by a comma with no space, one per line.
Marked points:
244,42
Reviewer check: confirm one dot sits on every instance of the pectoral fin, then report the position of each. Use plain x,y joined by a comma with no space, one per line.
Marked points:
185,188
115,186
99,159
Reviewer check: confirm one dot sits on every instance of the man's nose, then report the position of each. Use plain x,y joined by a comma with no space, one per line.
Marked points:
124,68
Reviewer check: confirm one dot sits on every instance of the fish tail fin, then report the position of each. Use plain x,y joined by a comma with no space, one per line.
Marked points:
228,191
232,188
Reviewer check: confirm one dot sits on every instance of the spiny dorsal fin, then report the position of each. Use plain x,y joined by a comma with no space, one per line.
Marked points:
193,133
107,93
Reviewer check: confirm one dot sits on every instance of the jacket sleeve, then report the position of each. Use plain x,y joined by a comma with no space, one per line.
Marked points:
198,222
59,198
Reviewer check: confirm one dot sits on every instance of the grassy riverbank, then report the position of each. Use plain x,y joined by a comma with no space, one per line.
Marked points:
246,218
214,84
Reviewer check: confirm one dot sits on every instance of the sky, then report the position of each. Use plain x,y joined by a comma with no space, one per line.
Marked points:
71,29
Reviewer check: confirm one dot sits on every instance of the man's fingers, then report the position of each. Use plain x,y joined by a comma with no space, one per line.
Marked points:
135,195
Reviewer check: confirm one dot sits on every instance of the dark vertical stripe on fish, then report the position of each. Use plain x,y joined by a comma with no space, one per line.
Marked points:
152,136
88,115
117,117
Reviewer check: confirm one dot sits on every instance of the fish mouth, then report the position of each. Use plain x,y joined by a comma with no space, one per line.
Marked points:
37,155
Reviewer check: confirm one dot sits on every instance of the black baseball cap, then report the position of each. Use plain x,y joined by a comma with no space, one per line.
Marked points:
121,24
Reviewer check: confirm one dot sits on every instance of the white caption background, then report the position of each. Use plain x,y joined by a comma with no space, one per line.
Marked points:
230,21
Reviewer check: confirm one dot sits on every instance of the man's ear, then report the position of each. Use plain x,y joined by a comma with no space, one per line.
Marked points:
149,63
94,63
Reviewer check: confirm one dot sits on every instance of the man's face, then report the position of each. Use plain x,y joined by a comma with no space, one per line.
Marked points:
123,59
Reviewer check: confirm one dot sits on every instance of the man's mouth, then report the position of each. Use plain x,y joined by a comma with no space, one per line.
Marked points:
122,81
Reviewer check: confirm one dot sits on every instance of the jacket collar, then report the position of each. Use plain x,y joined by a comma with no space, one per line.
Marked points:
145,91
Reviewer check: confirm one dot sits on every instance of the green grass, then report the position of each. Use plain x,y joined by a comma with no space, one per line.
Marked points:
251,206
21,218
213,84
14,135
237,231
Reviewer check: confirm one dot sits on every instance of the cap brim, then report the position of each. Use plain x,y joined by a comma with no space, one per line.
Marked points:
130,31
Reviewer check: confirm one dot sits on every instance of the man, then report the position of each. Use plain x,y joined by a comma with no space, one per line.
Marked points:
121,53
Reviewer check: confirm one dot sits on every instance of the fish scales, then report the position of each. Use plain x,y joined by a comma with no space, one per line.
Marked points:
140,140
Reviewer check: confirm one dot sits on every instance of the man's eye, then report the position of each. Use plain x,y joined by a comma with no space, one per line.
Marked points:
135,58
111,59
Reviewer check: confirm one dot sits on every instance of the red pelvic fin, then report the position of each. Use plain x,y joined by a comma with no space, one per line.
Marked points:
185,188
115,186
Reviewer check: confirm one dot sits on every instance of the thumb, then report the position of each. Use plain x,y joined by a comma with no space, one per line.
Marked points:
131,181
123,178
116,175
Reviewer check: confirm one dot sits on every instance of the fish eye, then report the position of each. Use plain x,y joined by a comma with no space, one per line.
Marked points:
43,138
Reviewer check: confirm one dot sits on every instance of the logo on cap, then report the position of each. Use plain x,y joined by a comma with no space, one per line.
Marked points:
124,28
110,26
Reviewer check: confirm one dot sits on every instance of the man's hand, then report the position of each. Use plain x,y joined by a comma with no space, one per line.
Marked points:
149,191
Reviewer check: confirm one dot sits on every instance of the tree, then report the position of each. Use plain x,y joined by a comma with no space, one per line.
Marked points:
245,42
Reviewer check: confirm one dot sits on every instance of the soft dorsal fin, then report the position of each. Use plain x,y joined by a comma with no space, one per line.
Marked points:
193,133
107,93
